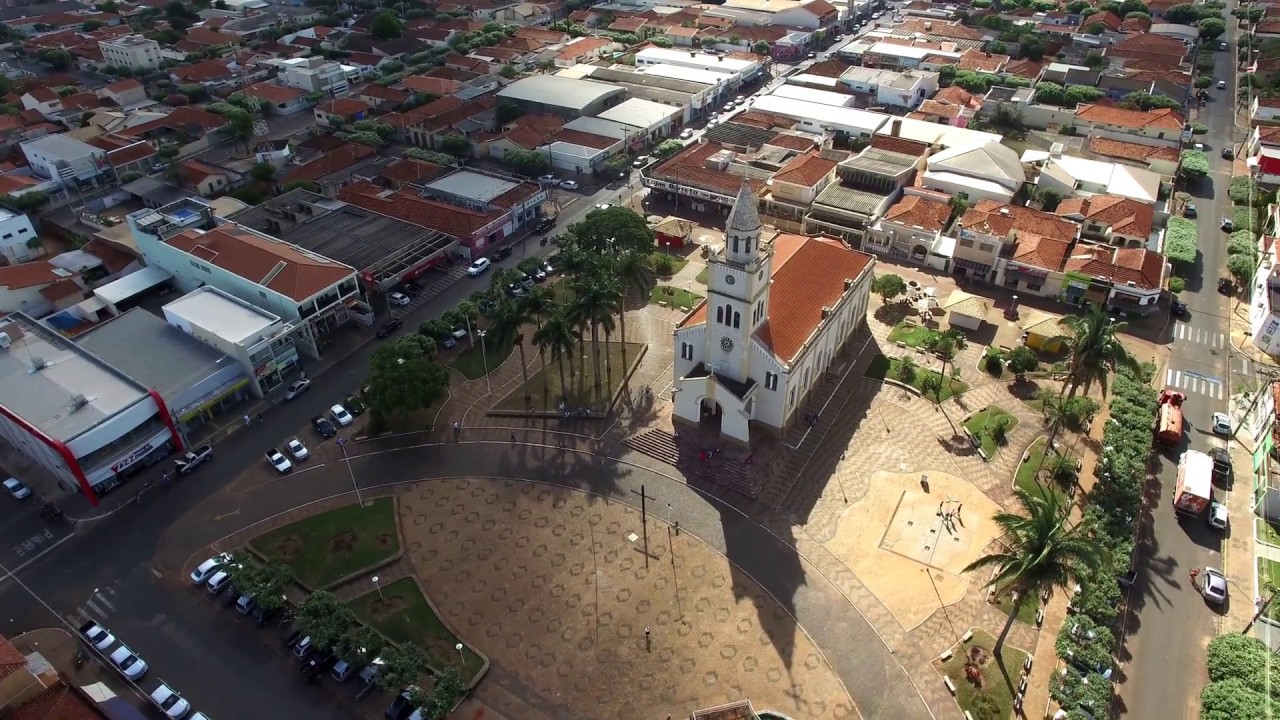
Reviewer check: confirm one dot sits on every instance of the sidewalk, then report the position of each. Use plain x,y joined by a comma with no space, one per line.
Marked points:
58,647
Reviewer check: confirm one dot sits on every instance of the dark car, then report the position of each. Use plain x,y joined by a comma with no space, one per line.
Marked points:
1226,286
545,225
401,708
410,288
323,426
502,253
389,327
1178,308
318,663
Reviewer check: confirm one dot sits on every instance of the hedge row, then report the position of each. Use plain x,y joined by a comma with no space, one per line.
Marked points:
1113,509
1181,242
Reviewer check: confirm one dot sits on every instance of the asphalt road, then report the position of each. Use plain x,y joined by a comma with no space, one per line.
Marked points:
107,573
1169,626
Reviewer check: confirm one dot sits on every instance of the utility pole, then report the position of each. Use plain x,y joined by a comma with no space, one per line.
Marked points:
644,521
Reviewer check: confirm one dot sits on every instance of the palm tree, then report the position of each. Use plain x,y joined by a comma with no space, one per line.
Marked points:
1054,408
1038,551
595,299
537,305
634,273
558,337
507,321
1095,350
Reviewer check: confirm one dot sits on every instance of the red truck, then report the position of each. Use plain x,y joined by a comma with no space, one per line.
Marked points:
1168,424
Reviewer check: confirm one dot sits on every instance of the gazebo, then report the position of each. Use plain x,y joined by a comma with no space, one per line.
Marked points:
672,232
1042,331
965,310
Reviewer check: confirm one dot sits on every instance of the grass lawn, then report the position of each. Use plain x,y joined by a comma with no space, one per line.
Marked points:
1026,613
882,366
982,423
544,387
1269,576
674,297
1267,532
327,547
992,690
911,334
417,421
402,614
658,258
472,360
704,276
1025,478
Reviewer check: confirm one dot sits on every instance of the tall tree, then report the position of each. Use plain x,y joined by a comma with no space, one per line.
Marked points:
536,306
634,273
402,665
1038,550
405,376
507,323
596,301
615,230
1094,350
558,338
324,618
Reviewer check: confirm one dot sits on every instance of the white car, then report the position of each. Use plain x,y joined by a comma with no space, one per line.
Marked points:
547,179
17,489
206,569
218,582
640,161
399,299
341,416
99,636
568,185
1227,224
1221,424
278,461
1212,585
1222,84
479,266
297,449
686,133
170,702
1218,516
131,665
603,206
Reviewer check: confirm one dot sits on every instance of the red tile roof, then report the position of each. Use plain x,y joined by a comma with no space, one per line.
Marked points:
1121,215
16,183
1145,269
254,257
1162,118
688,167
203,71
915,211
410,171
205,36
1040,251
805,170
1131,151
432,85
455,221
123,86
791,142
344,107
58,702
1269,136
585,139
1107,19
998,219
332,161
11,659
62,289
185,118
273,93
808,274
25,275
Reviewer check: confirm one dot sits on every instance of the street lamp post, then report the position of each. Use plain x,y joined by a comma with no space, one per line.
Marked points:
484,356
379,587
458,647
342,443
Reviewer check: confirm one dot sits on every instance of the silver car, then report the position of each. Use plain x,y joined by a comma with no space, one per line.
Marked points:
1212,585
131,665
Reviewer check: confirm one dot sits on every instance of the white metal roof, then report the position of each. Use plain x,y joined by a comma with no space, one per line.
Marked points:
602,127
842,118
1198,473
130,285
222,315
56,386
558,91
465,183
1123,180
823,97
677,72
933,133
639,113
686,58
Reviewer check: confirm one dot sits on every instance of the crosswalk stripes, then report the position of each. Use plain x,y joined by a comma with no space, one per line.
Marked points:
1195,383
1200,336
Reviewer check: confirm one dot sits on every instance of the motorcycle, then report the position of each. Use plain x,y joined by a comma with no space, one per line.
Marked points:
51,512
80,658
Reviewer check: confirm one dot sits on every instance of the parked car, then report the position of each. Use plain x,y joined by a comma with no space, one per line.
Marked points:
640,161
1222,470
245,604
1222,84
303,648
515,290
1178,308
193,459
278,461
170,703
370,672
410,288
502,253
206,569
1226,286
686,133
389,327
132,666
322,426
398,299
568,185
318,663
17,489
297,449
341,416
1212,585
1189,211
1228,154
478,266
297,388
220,581
545,225
1221,424
97,635
402,706
548,178
1218,515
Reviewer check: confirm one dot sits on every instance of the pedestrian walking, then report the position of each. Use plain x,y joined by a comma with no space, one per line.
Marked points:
513,438
247,421
457,430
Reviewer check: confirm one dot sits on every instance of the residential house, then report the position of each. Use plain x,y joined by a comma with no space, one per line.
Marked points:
341,111
329,169
43,100
410,173
125,93
870,183
1262,111
1035,265
210,73
912,230
315,74
381,97
1168,52
794,187
583,50
69,162
273,152
18,240
1101,22
1111,219
1072,176
37,288
1265,166
204,179
190,128
985,234
200,41
1124,280
126,154
1135,150
1263,136
1160,124
525,14
888,88
277,100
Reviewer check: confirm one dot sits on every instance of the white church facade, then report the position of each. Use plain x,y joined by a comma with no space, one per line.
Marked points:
778,311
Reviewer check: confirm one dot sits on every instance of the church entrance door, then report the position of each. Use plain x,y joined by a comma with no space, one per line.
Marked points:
709,415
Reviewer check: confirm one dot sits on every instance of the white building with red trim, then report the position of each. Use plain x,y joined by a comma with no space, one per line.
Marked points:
82,420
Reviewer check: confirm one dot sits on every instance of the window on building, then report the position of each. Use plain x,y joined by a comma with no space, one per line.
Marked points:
737,319
966,243
770,381
686,351
720,315
8,235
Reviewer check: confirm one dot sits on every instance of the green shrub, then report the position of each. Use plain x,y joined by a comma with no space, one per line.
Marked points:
1180,242
994,365
1177,284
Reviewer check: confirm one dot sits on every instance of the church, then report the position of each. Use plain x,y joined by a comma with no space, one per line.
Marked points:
778,310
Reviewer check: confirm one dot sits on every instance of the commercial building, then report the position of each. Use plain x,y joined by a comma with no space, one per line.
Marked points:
313,293
74,415
740,70
261,344
563,96
315,74
196,381
131,51
66,160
